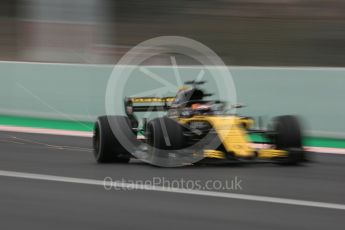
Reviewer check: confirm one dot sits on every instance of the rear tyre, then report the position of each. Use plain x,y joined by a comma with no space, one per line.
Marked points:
288,136
107,147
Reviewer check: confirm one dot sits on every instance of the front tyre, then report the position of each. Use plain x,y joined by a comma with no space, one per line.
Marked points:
287,135
107,147
165,138
165,133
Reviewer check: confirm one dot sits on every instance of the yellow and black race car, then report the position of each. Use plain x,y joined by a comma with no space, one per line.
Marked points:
193,130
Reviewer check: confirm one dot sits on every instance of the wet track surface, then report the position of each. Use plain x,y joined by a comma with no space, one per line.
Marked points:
32,204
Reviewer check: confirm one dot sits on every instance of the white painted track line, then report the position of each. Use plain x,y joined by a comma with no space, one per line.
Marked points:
129,186
310,148
326,150
89,134
45,131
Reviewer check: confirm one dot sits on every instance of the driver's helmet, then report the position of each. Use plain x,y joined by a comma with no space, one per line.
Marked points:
201,107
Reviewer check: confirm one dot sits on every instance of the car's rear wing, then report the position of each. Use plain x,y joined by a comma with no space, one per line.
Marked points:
143,104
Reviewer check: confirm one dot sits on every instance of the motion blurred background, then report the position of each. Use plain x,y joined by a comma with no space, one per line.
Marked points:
242,32
303,36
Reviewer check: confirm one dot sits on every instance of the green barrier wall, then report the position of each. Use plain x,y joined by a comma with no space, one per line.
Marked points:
77,92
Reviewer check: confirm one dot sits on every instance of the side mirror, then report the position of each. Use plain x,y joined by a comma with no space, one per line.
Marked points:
238,106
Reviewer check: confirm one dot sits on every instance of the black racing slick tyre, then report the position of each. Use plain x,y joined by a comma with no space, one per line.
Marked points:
288,132
107,147
288,136
165,133
166,141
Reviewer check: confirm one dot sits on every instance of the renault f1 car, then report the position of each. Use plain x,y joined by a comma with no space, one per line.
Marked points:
196,128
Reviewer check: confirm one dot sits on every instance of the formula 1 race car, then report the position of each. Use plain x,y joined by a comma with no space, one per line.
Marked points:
193,130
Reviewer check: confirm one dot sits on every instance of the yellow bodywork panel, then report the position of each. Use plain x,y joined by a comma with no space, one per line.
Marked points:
208,153
152,99
230,132
269,153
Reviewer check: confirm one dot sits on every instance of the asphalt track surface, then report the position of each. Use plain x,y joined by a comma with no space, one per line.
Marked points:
46,204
